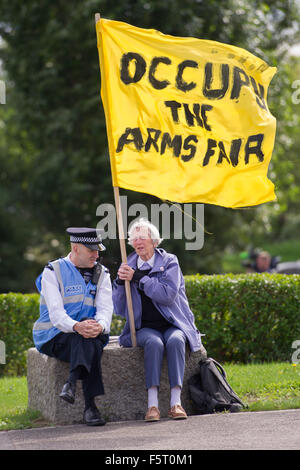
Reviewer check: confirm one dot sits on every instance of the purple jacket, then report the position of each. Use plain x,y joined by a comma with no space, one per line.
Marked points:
165,286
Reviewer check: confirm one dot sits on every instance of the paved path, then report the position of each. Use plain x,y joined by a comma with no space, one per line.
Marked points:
271,430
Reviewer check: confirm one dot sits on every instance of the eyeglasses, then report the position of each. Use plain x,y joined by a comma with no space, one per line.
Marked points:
138,238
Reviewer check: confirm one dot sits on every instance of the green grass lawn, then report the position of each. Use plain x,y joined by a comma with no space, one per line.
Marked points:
272,386
261,386
13,404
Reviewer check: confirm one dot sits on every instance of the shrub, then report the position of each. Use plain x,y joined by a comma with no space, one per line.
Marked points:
246,317
18,312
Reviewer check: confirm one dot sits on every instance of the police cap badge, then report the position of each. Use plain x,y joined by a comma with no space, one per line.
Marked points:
87,237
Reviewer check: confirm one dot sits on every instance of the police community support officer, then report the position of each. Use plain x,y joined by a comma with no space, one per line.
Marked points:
75,316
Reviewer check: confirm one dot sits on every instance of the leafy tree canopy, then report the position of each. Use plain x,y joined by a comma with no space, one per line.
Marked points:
55,167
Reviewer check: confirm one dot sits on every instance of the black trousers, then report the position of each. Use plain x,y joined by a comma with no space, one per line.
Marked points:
84,356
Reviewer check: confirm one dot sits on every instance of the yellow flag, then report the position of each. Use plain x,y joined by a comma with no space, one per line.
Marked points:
187,119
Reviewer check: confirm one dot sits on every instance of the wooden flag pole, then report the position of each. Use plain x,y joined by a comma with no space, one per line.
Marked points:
123,250
124,260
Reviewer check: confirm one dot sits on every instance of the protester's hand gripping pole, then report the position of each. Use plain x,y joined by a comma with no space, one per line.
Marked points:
123,250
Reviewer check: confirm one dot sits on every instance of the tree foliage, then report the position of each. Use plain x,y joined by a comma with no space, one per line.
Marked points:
55,167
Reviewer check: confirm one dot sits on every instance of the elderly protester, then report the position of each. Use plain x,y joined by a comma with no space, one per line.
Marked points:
163,319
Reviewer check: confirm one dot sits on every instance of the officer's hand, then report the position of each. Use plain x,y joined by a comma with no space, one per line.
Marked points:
125,272
88,328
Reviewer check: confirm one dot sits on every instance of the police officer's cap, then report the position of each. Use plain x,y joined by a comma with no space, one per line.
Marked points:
88,237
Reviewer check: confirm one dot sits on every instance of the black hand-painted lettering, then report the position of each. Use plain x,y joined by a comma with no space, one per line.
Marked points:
260,100
152,140
136,138
175,143
222,153
140,67
190,117
216,93
234,151
211,144
238,82
255,149
158,84
204,109
180,83
188,146
174,105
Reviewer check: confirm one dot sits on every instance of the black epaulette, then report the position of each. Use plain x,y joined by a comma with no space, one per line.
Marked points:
97,270
49,266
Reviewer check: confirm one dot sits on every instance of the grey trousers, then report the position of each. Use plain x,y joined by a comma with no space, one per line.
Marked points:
155,343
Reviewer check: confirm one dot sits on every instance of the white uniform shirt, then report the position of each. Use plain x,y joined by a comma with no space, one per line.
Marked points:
57,314
150,261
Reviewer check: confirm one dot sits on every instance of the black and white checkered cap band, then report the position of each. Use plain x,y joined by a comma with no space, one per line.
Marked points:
84,239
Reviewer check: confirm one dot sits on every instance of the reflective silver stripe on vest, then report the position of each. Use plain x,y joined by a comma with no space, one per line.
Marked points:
42,300
56,268
42,325
67,300
101,278
89,301
73,299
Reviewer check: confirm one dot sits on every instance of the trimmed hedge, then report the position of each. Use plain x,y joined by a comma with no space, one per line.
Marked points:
245,318
17,315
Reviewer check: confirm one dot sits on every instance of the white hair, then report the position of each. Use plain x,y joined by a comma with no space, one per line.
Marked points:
153,231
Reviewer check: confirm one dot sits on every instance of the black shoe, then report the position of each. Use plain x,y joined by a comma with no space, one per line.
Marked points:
68,392
92,417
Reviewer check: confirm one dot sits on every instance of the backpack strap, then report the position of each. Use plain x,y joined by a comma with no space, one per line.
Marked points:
221,369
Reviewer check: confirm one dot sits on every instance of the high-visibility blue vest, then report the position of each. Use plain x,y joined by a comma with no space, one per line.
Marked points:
78,299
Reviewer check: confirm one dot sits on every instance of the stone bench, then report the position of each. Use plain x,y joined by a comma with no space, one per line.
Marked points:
124,383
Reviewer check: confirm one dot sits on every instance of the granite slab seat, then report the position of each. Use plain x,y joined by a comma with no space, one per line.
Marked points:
124,383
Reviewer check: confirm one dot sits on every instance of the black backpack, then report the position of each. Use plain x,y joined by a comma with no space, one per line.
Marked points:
210,391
